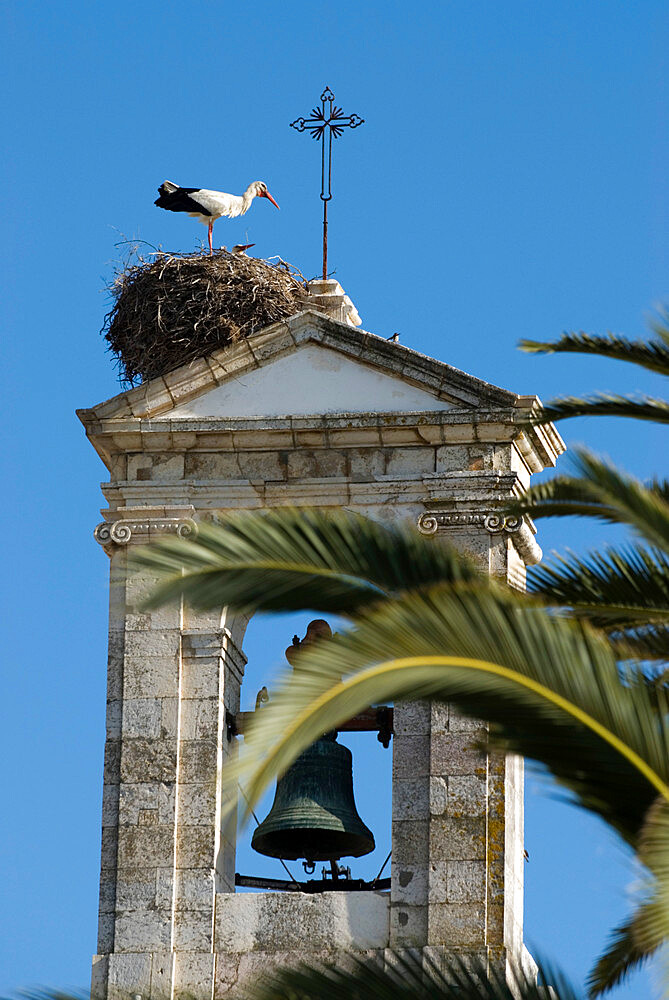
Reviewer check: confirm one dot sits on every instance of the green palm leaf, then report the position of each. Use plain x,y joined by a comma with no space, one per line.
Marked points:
651,354
549,687
403,976
614,589
602,491
621,956
650,642
295,558
603,405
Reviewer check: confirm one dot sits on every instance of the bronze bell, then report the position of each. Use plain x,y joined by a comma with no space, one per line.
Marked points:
313,815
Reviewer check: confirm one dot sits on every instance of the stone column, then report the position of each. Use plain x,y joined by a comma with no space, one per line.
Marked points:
457,809
163,856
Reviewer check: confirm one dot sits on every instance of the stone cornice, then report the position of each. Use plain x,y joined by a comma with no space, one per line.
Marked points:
138,525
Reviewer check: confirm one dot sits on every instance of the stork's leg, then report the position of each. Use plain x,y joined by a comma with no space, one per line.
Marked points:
211,229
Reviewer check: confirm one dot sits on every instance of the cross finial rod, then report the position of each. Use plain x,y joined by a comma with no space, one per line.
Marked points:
326,123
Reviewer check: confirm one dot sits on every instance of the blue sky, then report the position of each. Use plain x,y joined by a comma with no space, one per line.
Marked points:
509,182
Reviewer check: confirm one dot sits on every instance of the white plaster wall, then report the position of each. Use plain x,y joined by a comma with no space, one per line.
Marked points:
311,380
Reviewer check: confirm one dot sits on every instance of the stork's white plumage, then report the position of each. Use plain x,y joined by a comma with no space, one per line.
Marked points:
207,206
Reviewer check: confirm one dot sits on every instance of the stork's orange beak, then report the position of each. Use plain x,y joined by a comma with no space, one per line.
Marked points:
266,194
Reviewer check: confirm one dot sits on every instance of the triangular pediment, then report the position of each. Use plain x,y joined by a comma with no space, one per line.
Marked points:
312,380
306,365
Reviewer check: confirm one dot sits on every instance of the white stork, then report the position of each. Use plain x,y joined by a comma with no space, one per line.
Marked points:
207,206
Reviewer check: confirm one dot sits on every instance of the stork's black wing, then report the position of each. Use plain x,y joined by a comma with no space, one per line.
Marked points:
180,200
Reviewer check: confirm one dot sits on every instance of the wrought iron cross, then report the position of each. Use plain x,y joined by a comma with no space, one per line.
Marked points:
326,123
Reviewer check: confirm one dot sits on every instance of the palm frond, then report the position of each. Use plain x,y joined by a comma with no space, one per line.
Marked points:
549,687
601,491
603,404
615,589
648,929
296,558
406,976
650,924
650,642
651,354
622,956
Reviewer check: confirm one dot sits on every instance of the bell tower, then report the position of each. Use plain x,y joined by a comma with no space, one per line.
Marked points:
310,411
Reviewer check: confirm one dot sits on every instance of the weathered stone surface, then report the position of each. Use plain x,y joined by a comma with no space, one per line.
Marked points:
411,756
457,925
148,760
456,753
268,922
463,838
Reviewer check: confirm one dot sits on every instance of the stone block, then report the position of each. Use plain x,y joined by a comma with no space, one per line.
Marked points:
110,805
150,846
226,975
409,460
169,718
460,723
410,842
457,753
197,804
467,795
162,974
408,925
194,930
198,761
200,679
144,930
195,889
114,718
412,718
271,923
366,464
262,465
440,714
112,762
108,853
200,718
151,676
194,975
409,885
148,760
457,925
458,839
152,644
411,798
107,890
99,976
142,717
166,803
438,795
195,847
106,923
136,798
216,465
411,756
129,974
466,882
136,889
451,458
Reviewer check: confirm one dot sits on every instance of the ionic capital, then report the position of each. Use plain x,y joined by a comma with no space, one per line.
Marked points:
432,522
140,525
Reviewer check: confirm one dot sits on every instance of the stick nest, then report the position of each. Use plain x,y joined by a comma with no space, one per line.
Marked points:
172,309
